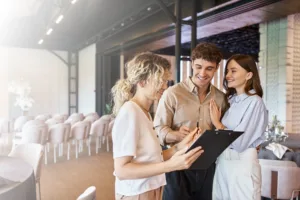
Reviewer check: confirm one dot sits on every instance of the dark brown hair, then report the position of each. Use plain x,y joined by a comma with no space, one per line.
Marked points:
248,63
208,52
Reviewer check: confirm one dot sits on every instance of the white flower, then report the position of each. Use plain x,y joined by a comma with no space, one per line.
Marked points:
22,90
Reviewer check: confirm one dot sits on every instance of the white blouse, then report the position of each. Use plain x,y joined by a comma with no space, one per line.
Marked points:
133,135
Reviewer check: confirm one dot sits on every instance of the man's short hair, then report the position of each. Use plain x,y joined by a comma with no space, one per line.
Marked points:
207,51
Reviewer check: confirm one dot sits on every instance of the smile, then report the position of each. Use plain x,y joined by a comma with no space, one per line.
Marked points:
201,78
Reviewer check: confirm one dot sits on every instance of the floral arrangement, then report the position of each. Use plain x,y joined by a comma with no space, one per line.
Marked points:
22,89
275,131
275,126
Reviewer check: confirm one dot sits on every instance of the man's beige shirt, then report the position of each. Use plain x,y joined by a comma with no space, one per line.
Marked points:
180,106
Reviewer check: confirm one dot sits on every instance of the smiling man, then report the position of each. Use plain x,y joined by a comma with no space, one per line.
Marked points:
183,107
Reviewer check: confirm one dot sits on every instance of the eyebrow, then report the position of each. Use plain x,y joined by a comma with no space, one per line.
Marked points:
198,65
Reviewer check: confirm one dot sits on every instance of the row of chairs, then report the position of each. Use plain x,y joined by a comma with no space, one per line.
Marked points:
7,126
37,131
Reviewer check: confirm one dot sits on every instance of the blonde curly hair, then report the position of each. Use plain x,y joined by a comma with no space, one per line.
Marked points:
141,68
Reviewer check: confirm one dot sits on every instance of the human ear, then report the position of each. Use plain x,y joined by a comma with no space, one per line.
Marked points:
249,76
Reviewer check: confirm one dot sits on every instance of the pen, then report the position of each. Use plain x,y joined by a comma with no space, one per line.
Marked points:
198,124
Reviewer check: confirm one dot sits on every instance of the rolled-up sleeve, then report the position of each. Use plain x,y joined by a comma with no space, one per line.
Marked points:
164,116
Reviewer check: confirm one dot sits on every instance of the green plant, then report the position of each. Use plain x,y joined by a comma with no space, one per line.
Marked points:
108,109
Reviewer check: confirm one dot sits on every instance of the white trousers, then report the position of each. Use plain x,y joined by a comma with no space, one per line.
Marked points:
237,176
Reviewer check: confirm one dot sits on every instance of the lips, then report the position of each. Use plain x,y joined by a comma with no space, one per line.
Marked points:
201,78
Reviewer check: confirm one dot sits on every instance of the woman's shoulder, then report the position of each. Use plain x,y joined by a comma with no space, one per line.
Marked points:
128,109
246,99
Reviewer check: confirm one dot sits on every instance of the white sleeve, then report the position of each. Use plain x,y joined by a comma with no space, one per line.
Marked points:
125,133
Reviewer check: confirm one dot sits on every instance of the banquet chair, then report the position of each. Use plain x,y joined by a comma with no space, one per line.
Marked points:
99,130
280,179
20,122
32,154
57,136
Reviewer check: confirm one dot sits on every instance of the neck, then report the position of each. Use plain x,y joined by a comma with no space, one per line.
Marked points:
203,90
142,101
240,90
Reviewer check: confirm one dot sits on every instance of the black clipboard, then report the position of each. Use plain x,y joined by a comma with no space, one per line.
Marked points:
213,142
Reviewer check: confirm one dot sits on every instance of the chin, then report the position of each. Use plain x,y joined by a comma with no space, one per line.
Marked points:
202,84
230,86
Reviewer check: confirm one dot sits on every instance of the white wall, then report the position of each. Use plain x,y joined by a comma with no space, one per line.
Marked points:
86,88
47,75
4,109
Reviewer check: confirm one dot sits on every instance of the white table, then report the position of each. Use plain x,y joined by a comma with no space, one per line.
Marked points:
17,179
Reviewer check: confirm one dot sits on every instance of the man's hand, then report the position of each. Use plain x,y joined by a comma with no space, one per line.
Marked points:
189,139
177,136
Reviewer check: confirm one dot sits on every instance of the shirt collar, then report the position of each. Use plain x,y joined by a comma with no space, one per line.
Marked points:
193,88
242,97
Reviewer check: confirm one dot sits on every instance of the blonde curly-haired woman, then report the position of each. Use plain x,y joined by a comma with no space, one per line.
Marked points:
139,162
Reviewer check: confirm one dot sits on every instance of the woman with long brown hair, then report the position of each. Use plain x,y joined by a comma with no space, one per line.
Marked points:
238,174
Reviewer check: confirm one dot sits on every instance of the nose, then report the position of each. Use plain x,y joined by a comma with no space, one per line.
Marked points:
228,75
202,72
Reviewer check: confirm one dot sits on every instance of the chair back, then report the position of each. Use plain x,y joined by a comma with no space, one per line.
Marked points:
110,126
20,122
79,130
30,153
60,117
77,116
100,127
94,114
91,118
43,117
58,133
285,173
35,134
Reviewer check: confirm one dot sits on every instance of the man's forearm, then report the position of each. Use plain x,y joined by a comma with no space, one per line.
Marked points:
164,134
167,135
171,138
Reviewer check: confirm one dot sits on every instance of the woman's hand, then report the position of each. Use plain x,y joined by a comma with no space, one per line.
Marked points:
188,140
181,160
215,114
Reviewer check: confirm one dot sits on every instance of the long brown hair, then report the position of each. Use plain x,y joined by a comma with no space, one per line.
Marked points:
248,63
